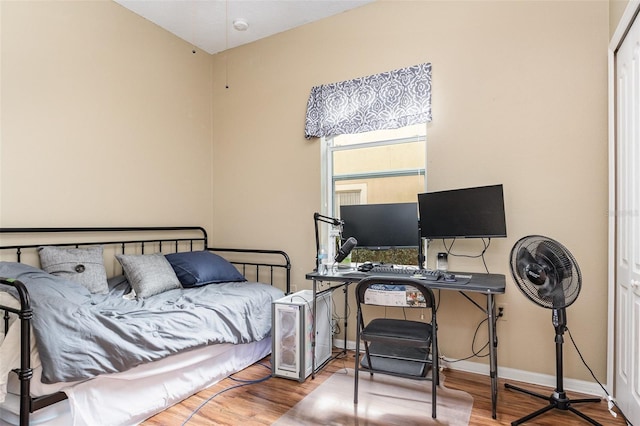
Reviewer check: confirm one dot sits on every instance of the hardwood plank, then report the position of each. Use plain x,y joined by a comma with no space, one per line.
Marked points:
263,403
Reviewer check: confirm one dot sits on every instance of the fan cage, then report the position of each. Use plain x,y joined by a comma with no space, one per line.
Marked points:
549,252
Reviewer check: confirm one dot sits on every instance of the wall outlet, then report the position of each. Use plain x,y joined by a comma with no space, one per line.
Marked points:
501,312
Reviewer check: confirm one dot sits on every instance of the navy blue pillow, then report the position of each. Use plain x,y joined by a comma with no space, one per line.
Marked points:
197,268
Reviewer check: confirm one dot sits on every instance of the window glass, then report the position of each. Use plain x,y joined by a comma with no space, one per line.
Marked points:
387,166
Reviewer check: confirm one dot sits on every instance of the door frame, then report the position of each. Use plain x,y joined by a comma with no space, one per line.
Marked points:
628,17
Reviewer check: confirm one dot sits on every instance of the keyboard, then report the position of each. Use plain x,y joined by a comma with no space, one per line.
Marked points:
425,274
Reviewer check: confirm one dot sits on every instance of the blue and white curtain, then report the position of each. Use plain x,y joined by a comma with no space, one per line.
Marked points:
382,101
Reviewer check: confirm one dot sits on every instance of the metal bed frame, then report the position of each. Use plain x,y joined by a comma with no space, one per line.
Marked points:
29,404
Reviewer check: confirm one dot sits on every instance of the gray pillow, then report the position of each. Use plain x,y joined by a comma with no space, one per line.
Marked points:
82,265
148,274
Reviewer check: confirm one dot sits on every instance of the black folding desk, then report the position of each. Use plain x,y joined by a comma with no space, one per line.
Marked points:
487,284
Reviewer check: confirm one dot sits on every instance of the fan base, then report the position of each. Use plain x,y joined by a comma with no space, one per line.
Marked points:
558,400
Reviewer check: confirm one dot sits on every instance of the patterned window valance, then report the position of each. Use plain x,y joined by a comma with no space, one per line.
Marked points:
382,101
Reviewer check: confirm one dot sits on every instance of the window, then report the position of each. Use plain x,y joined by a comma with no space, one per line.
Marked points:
385,166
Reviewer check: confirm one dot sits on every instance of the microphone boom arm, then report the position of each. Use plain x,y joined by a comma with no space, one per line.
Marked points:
317,217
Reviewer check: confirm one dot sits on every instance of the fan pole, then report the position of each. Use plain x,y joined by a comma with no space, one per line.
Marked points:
558,400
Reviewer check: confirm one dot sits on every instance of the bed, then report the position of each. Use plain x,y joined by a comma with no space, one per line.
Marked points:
96,330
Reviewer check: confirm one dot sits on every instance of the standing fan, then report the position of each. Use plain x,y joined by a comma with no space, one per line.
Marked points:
546,272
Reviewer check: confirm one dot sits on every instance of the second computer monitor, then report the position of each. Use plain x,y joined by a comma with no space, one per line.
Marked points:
381,226
463,213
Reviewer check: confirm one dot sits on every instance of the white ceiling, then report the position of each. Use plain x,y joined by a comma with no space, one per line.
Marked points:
208,24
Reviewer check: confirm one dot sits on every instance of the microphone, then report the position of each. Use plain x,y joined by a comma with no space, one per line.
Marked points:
346,248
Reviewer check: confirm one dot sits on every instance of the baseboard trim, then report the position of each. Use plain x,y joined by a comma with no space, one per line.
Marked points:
506,373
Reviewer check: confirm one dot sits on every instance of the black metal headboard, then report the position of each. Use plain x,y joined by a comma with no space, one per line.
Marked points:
256,264
19,247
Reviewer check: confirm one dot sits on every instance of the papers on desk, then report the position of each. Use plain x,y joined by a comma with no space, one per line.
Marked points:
394,295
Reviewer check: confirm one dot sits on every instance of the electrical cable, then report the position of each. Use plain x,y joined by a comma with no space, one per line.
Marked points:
250,381
481,255
241,383
336,327
474,353
340,354
610,400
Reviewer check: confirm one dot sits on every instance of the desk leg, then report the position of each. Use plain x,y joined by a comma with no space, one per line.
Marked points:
493,352
345,291
313,334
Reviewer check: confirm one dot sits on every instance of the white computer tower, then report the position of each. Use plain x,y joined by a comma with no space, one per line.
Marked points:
292,321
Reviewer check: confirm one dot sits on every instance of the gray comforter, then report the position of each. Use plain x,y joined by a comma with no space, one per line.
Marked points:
80,335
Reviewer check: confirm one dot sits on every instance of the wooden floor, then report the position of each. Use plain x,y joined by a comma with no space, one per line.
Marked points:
230,403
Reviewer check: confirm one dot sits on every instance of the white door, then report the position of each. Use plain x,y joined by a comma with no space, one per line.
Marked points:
627,271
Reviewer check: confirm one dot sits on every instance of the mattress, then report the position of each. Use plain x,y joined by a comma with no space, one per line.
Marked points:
130,397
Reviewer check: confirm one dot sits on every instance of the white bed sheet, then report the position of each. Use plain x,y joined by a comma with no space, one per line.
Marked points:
130,397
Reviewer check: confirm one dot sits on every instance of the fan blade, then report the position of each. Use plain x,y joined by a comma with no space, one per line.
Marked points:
548,289
528,267
523,259
555,260
558,266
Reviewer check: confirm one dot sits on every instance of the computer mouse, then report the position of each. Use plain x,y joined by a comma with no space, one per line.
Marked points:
365,267
449,277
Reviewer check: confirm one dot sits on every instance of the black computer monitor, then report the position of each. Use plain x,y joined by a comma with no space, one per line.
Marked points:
381,226
463,213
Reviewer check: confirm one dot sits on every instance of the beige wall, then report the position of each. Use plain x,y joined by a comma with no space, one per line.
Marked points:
616,9
105,119
519,98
